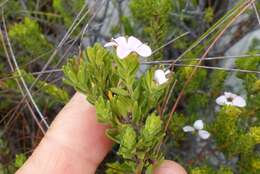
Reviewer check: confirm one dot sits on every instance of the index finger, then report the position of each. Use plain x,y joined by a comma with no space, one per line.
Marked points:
75,143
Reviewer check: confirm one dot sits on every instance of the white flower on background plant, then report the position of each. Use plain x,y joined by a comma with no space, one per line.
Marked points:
125,46
160,76
197,126
231,99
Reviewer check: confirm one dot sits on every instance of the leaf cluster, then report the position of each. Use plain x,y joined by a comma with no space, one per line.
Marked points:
19,34
153,15
68,9
124,102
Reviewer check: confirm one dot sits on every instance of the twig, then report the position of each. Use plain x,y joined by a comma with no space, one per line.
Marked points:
167,98
203,56
3,3
206,35
246,5
166,62
220,68
80,35
171,41
256,12
169,62
19,86
27,91
67,35
33,73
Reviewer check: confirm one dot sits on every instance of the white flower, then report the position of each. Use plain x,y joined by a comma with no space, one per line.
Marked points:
231,99
160,76
124,46
197,126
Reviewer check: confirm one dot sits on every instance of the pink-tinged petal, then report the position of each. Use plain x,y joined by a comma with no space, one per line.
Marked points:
122,52
239,102
144,50
222,100
229,95
198,124
167,72
159,76
162,81
133,43
204,134
111,44
188,129
121,41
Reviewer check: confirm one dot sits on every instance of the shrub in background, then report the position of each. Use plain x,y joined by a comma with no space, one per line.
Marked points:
131,105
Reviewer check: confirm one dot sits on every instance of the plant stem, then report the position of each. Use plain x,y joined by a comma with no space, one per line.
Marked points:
139,168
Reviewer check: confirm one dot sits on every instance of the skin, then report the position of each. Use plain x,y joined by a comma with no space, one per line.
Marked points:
76,144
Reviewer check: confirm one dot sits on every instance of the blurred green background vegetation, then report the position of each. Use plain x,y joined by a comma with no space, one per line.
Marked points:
44,34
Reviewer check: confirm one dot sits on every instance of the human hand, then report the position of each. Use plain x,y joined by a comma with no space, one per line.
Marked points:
76,144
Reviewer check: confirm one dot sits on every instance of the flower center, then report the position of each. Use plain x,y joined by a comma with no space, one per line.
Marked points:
230,99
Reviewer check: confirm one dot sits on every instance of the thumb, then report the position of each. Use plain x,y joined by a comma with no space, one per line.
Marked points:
170,167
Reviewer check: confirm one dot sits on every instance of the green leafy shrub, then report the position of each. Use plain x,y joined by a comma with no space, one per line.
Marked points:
19,33
127,104
68,9
132,103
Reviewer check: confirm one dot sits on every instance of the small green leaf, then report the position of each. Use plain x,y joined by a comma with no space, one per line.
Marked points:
136,112
113,134
128,142
127,25
137,92
151,130
19,160
103,110
119,91
255,134
121,168
121,105
149,169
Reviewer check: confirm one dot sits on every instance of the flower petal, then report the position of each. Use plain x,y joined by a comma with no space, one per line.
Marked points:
230,95
159,76
239,101
167,72
110,44
144,50
188,129
162,81
204,134
134,43
222,100
198,124
121,41
140,48
122,52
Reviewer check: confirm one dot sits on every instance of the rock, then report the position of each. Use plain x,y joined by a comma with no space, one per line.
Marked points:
240,48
